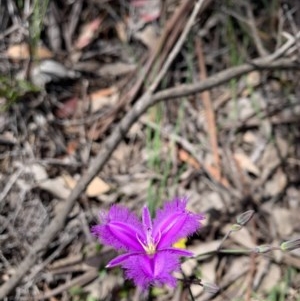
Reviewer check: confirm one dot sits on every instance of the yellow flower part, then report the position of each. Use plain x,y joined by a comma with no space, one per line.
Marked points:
181,243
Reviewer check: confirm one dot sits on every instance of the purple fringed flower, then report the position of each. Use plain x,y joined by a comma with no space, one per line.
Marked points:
150,258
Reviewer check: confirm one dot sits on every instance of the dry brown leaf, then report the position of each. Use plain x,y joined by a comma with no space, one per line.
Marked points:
97,187
184,156
72,146
253,78
263,265
148,11
272,278
55,186
48,70
21,52
272,156
148,37
116,69
103,93
69,181
249,137
208,270
103,97
276,184
246,164
88,33
188,266
205,247
196,289
133,188
283,220
214,173
94,189
121,31
213,200
67,108
237,267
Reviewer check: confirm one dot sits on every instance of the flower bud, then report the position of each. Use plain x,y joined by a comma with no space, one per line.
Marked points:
209,287
290,245
245,217
236,227
263,249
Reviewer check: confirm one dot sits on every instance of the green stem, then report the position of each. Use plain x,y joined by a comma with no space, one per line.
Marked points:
191,293
225,251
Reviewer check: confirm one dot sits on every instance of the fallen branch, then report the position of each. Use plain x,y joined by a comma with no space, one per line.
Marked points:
223,77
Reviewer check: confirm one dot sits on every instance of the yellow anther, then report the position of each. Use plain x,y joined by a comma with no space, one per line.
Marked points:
150,249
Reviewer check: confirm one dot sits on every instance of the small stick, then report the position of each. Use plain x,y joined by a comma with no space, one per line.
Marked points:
80,281
210,114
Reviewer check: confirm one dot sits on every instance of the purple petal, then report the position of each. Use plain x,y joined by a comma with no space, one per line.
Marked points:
174,222
120,259
147,223
147,270
179,252
119,228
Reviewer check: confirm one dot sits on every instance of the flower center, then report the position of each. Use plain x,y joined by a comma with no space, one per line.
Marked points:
150,248
149,245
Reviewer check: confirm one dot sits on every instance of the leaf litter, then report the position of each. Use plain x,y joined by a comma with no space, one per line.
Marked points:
48,139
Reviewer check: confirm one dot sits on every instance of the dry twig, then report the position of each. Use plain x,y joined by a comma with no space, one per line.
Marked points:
209,111
81,280
223,77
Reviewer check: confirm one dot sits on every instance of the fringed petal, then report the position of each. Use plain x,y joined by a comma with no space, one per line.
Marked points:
157,269
174,222
179,252
119,228
120,259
